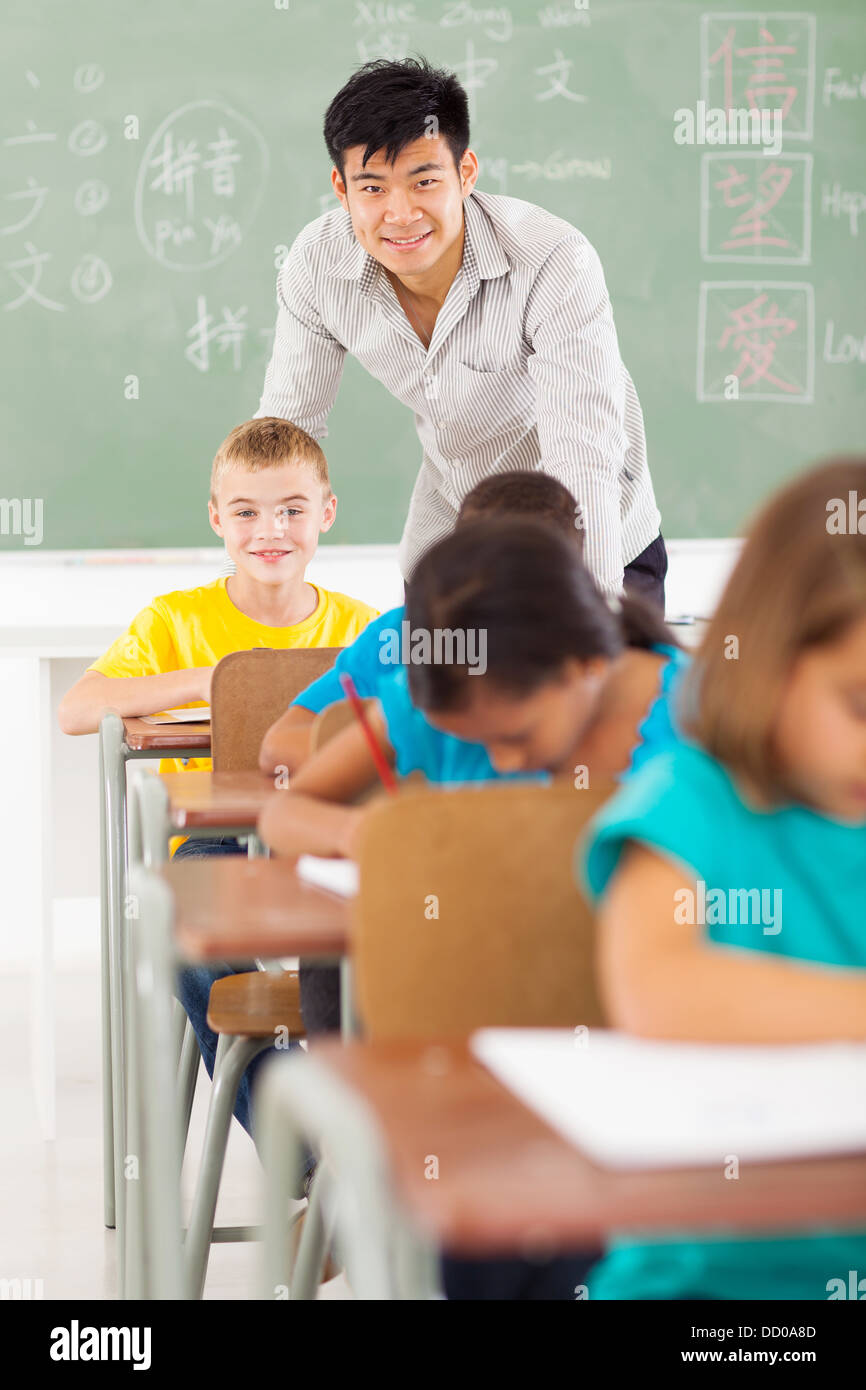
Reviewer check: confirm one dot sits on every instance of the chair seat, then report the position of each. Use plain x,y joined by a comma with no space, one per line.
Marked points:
255,1004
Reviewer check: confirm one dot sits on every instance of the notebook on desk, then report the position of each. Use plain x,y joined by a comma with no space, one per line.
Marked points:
201,715
637,1103
337,875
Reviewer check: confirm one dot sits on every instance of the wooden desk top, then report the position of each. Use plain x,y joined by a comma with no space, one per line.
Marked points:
141,737
507,1180
235,908
216,800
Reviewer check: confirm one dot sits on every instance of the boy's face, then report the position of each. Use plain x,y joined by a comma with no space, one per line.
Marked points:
420,195
271,520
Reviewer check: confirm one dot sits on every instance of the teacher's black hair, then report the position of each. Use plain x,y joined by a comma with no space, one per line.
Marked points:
387,104
520,581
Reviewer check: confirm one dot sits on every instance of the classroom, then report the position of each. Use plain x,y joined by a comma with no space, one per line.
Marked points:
385,347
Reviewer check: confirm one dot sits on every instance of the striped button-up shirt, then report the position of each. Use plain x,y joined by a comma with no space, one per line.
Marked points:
523,370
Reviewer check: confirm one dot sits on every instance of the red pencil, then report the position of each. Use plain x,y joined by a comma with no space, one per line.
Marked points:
389,781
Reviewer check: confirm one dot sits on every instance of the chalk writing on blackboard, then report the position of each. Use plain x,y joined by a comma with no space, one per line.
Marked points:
495,21
91,278
381,40
87,139
225,334
761,59
835,87
36,194
32,137
213,338
493,169
199,185
562,16
33,264
392,44
763,333
847,348
557,167
473,73
90,197
557,72
88,78
380,13
755,209
847,203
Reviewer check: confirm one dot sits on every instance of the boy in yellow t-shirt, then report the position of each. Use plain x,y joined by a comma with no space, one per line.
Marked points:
270,499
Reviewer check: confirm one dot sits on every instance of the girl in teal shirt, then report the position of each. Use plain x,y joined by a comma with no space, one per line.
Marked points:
766,804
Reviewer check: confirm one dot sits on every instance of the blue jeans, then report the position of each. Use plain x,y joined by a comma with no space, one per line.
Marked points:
193,989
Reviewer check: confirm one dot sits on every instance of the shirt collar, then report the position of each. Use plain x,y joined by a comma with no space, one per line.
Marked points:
483,257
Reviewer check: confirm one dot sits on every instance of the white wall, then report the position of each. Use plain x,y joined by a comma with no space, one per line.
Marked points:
74,590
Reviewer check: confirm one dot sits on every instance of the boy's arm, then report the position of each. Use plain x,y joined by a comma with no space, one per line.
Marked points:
287,742
82,707
660,978
312,817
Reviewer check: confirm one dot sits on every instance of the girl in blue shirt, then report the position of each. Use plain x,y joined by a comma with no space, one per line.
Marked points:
567,686
767,794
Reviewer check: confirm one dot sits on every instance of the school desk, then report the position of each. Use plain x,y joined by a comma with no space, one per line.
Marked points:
122,741
190,911
234,908
504,1182
198,804
215,803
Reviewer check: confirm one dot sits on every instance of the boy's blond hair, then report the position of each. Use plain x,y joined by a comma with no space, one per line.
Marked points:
268,442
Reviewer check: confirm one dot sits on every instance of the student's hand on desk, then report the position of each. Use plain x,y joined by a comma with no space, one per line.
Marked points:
291,824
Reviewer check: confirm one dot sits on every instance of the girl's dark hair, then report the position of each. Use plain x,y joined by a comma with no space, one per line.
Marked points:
387,104
522,583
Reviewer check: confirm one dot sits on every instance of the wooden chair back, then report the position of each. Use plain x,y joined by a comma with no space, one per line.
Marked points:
469,914
250,691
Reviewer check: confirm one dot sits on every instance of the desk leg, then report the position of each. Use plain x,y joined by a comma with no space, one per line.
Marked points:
114,783
348,1018
150,1003
105,1007
299,1096
43,1004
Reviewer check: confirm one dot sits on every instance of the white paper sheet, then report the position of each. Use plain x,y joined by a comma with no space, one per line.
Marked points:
200,715
636,1103
337,875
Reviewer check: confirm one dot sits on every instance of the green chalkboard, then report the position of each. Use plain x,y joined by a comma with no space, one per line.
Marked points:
157,157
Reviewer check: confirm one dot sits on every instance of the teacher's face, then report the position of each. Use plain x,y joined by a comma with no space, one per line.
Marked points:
410,213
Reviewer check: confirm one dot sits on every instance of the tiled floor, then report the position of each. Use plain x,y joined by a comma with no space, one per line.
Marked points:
51,1193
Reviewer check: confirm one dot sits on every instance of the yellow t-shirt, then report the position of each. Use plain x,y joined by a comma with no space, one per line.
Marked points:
198,627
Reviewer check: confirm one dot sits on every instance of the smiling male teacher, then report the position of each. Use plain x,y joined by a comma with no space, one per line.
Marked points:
484,314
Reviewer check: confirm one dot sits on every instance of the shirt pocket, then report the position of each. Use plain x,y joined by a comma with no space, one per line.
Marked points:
489,404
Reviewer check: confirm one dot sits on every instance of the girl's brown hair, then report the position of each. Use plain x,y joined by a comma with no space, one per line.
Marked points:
800,582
